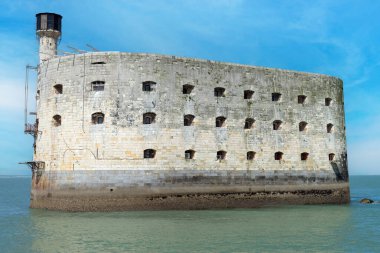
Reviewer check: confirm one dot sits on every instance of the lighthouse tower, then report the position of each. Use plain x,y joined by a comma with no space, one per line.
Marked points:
48,30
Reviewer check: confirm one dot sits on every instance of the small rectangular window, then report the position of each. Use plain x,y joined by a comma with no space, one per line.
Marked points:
58,89
301,99
304,156
278,156
97,86
98,63
149,153
250,155
276,97
277,124
219,121
189,154
148,86
221,155
219,92
187,89
248,94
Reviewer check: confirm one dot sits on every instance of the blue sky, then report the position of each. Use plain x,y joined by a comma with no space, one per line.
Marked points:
339,38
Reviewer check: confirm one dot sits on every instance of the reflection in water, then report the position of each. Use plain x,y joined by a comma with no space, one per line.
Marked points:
350,228
319,228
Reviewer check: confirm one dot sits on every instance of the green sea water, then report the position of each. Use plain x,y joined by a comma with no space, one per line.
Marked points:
321,228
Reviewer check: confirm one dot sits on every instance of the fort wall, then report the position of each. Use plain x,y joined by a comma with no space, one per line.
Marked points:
79,152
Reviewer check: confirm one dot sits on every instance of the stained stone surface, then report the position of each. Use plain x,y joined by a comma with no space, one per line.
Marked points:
82,155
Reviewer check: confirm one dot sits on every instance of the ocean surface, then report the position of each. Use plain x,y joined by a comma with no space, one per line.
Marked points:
321,228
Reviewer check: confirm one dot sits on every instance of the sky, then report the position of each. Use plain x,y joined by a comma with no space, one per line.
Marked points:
339,38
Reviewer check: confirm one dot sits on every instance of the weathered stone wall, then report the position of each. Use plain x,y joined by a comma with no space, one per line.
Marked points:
110,190
119,142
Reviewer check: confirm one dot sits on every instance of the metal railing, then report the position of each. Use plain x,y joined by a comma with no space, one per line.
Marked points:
30,128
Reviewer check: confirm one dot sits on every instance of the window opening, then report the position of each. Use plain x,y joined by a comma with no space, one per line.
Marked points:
97,85
98,63
189,154
277,124
278,156
149,153
58,88
97,118
304,156
221,155
220,121
187,88
302,126
329,128
276,97
57,120
248,94
251,155
149,118
301,99
249,123
188,120
331,156
219,92
148,86
328,101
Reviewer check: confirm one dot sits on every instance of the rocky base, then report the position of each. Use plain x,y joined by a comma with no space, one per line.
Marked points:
191,201
182,190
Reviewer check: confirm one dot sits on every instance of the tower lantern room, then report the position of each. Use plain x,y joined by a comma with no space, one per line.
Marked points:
48,30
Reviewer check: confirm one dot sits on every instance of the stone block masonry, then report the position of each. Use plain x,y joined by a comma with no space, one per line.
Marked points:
165,132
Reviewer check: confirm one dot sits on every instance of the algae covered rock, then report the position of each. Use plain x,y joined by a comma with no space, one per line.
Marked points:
366,201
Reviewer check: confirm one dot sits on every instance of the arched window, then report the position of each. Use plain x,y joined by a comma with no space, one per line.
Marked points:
304,156
188,120
278,156
149,153
187,88
97,85
220,121
97,118
331,157
149,118
276,97
58,88
251,155
248,94
148,86
302,126
221,155
328,101
277,124
301,99
189,154
249,123
56,120
329,127
219,92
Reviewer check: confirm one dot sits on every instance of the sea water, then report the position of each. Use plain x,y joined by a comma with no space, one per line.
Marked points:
317,228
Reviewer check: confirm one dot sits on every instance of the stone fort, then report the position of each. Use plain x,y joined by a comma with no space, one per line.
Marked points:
135,131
